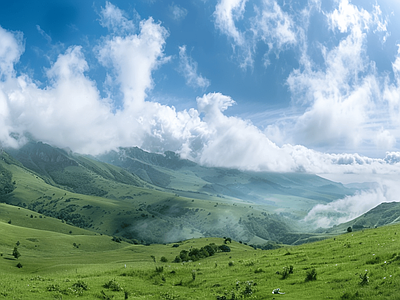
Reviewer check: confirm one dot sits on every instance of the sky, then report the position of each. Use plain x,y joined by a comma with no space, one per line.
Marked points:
265,85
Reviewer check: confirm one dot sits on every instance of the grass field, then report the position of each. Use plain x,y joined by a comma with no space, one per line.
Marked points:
55,265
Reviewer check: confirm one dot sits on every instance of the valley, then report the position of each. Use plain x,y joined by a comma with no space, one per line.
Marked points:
146,198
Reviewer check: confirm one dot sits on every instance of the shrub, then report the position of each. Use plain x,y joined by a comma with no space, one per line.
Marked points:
224,248
231,264
285,273
184,255
16,253
19,265
113,285
160,269
311,275
290,269
80,285
163,259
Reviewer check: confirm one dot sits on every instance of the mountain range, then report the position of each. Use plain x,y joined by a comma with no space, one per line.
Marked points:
146,198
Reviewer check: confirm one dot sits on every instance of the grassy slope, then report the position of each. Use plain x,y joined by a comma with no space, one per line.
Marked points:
294,193
139,212
51,265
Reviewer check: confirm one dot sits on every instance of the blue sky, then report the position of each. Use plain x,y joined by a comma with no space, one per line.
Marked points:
253,84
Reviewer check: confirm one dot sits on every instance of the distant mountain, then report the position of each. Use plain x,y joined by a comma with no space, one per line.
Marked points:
70,171
146,197
187,178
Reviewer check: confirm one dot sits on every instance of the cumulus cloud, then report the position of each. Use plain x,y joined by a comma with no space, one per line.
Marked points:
133,58
343,95
188,68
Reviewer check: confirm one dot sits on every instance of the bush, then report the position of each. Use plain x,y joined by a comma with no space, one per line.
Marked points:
81,285
163,259
113,285
285,273
224,248
311,275
16,253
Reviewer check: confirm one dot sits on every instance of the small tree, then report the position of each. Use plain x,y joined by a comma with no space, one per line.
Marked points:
349,229
16,253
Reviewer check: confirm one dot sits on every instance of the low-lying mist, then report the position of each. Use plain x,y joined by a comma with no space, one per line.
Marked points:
351,207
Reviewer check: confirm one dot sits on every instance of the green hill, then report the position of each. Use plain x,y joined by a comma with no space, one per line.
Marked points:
152,198
140,213
53,265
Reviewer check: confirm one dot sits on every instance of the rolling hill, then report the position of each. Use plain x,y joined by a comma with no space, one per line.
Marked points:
157,198
56,264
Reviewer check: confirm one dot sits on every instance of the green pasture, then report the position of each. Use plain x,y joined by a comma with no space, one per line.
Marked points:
356,265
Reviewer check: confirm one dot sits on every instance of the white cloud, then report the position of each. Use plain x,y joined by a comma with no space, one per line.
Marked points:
226,13
350,207
273,26
188,67
233,142
178,13
269,24
11,48
69,111
44,34
343,95
116,20
133,58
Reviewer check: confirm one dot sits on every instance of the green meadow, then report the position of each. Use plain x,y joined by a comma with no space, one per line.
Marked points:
75,263
149,226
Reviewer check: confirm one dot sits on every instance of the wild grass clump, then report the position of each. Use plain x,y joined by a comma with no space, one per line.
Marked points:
311,275
364,279
160,269
286,272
